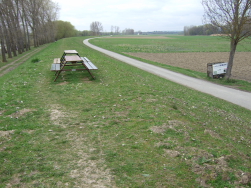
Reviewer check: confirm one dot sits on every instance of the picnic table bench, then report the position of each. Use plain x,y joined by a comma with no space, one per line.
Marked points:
72,58
55,65
89,64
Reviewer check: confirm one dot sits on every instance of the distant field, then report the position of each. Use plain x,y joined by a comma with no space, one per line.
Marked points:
172,44
187,52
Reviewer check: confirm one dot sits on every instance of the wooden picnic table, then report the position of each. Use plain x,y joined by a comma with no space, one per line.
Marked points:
72,58
69,52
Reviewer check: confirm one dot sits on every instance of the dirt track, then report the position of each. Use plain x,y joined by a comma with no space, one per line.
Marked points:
198,61
11,66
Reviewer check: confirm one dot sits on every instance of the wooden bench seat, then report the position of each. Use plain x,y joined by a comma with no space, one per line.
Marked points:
55,65
56,60
88,63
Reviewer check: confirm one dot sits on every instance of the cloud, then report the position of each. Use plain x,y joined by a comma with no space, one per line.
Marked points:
144,15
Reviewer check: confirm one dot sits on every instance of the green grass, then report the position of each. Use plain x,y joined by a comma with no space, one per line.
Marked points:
35,60
125,122
9,60
175,44
171,44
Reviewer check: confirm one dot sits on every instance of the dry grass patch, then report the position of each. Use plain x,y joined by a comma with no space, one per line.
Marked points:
21,113
6,133
212,133
57,115
172,124
89,169
63,83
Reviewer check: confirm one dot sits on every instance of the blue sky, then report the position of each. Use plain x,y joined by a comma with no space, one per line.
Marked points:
143,15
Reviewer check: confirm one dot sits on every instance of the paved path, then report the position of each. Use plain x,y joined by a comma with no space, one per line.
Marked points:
238,97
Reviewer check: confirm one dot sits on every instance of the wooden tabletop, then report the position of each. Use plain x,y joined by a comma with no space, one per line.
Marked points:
70,52
72,58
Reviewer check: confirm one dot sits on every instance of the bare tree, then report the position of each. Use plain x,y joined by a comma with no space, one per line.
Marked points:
21,20
96,28
128,31
111,29
233,17
116,28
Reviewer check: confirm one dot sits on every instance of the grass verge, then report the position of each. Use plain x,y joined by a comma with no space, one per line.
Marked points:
175,44
126,128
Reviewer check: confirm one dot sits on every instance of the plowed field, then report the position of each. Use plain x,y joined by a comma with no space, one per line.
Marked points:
198,61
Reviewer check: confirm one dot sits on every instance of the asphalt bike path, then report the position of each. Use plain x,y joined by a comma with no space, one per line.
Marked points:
234,96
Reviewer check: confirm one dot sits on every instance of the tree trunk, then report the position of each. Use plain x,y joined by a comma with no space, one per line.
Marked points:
3,51
231,59
7,41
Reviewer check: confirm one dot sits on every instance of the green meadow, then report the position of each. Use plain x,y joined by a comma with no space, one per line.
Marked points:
172,44
176,44
126,128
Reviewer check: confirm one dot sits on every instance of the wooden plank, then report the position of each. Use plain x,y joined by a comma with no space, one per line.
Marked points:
72,58
89,64
86,59
70,52
55,67
56,60
92,67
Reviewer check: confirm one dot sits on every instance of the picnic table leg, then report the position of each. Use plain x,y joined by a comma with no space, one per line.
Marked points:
88,70
62,58
90,73
58,72
57,75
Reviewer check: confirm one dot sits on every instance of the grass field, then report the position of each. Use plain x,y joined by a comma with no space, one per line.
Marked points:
126,128
177,44
171,44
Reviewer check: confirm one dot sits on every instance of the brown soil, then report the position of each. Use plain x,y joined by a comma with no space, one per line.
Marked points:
21,113
197,61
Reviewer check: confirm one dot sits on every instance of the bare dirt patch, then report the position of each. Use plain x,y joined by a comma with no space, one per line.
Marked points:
212,134
63,83
207,166
1,112
172,124
197,61
57,114
21,113
88,168
88,171
6,133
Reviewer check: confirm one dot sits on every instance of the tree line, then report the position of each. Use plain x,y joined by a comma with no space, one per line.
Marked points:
26,22
96,28
207,29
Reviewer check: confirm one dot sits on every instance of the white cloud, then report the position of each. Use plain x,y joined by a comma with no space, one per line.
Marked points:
144,15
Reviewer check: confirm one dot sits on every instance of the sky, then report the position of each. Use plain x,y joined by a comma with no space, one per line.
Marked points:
140,15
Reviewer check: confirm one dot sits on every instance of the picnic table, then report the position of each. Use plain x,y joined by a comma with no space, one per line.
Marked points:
71,58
